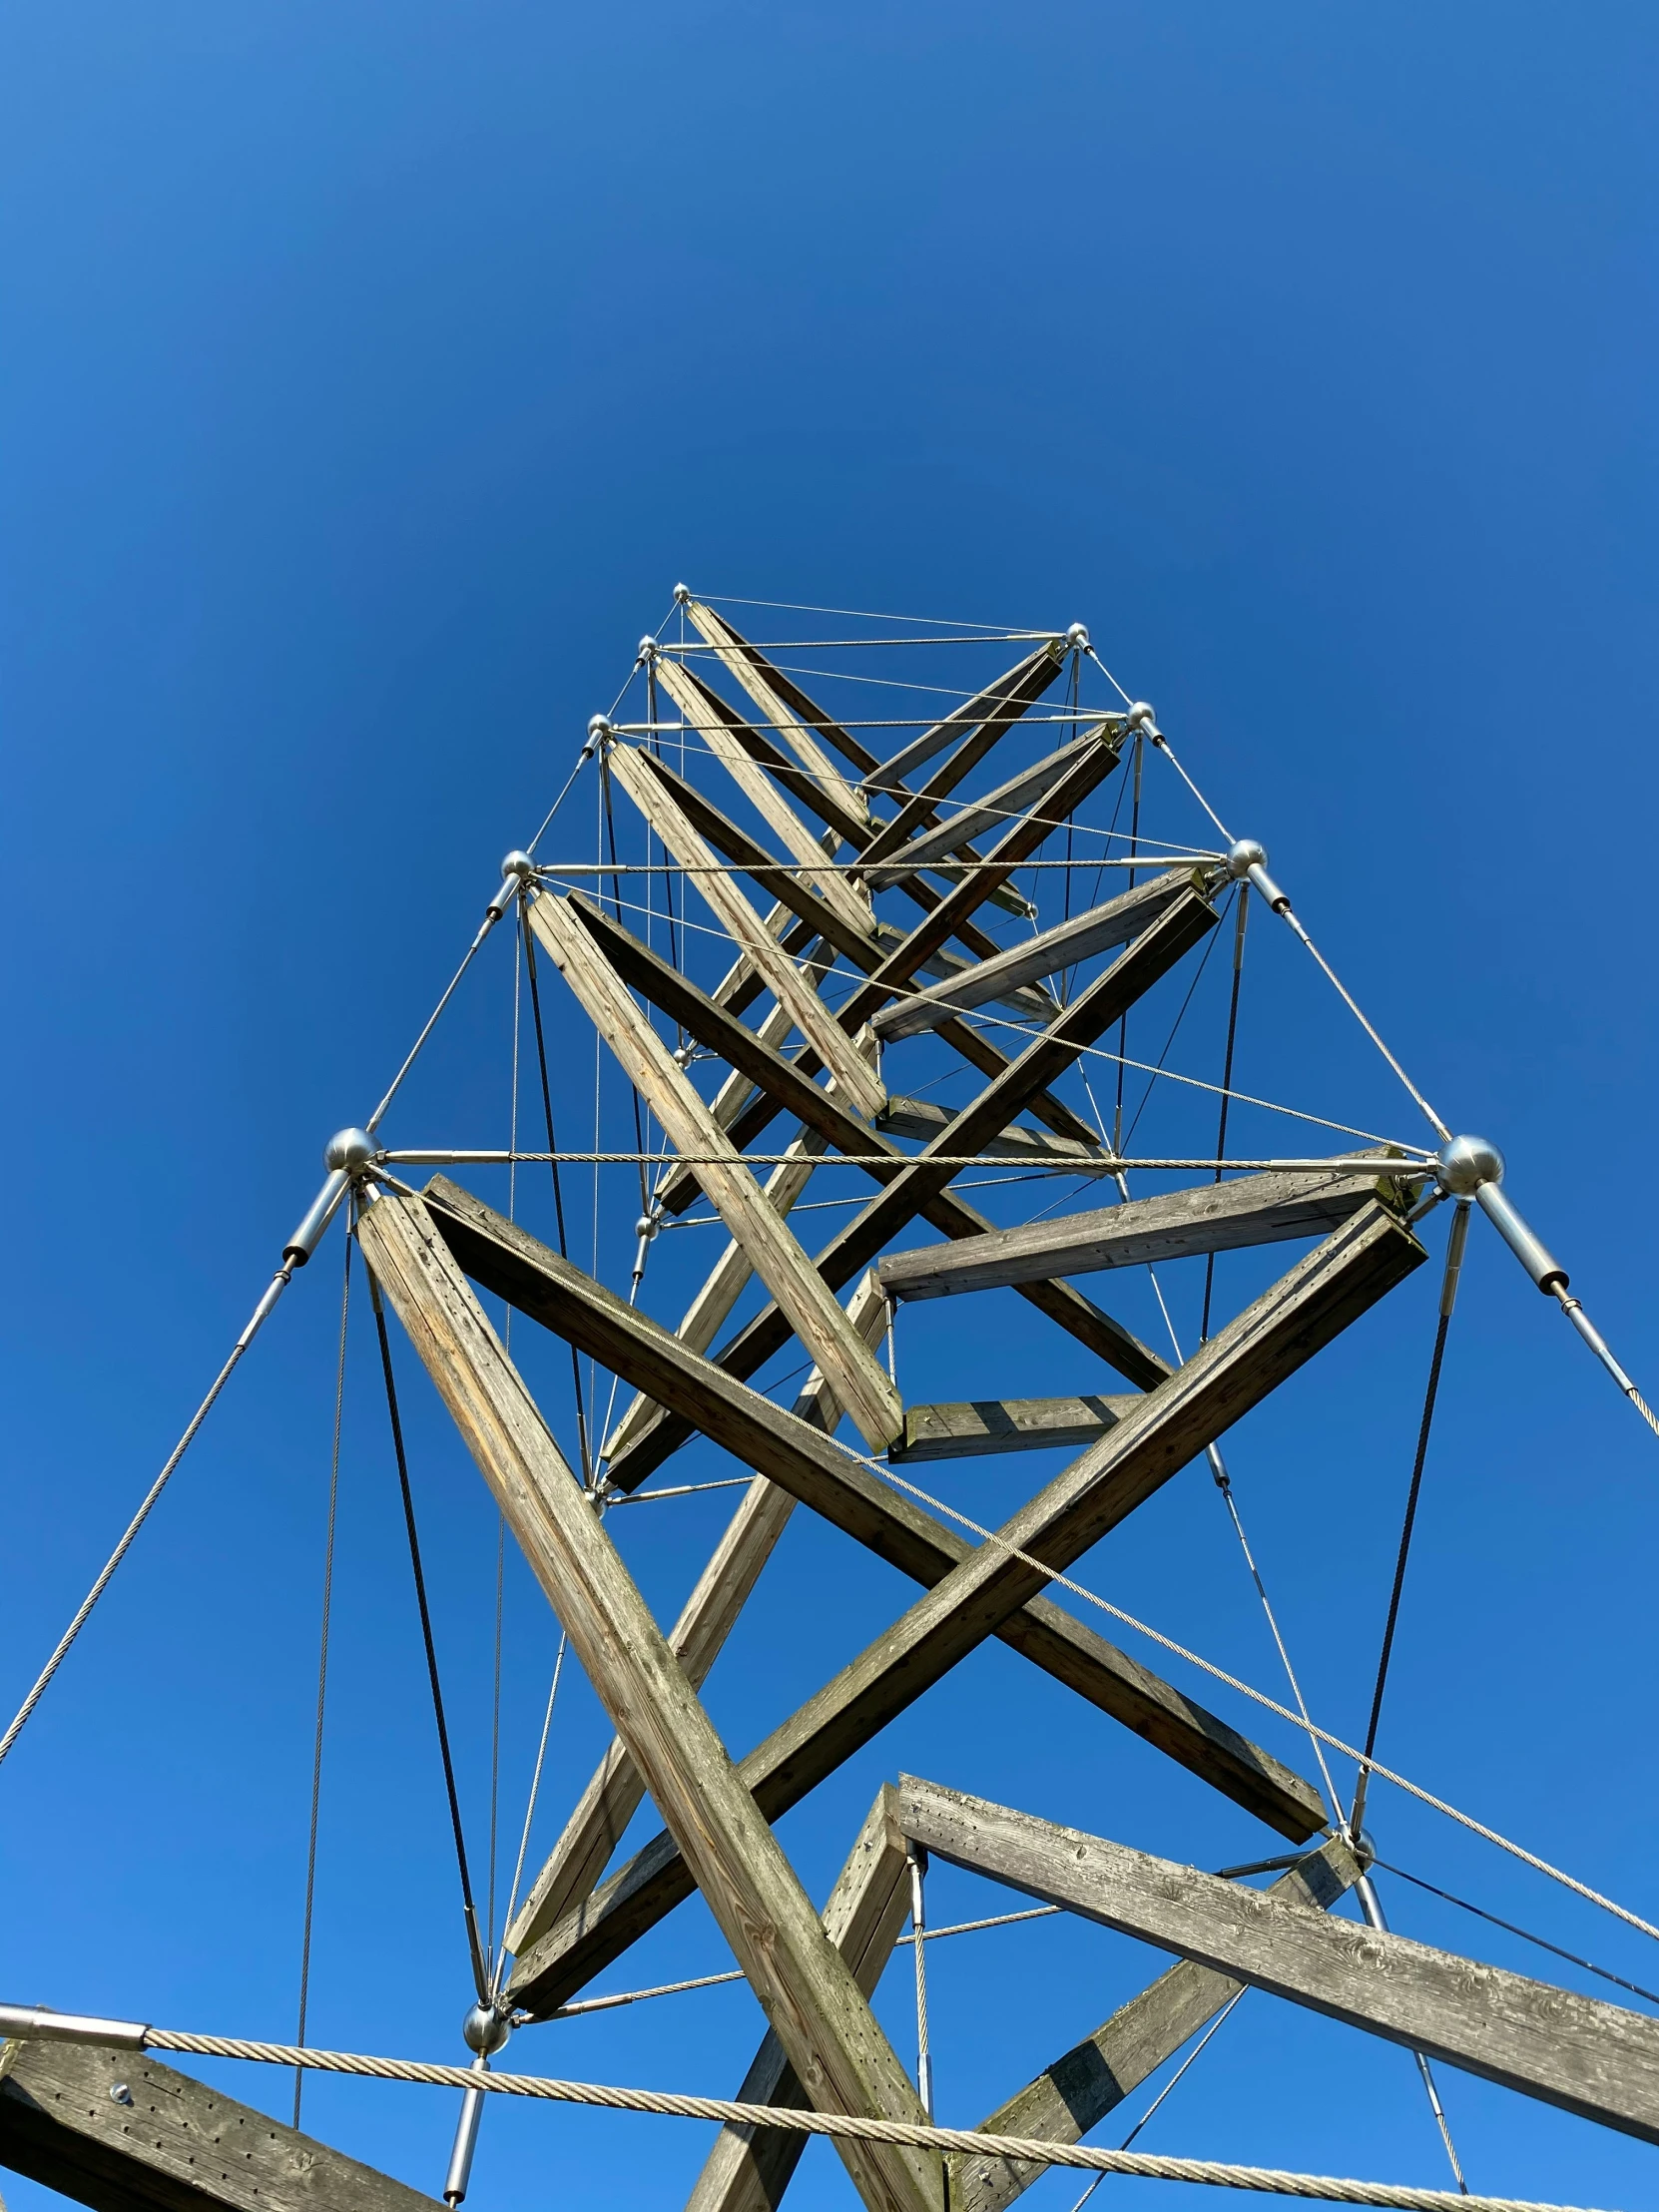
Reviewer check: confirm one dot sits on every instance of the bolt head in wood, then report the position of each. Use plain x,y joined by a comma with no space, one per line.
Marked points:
1463,1164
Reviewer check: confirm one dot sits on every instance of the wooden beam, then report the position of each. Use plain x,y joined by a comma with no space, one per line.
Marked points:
734,741
1028,1000
833,1044
784,687
1077,2091
1009,801
1175,1225
748,2169
1101,929
724,1285
799,733
613,1795
509,1261
1002,702
802,1982
799,1291
985,1425
920,1117
922,1182
170,2145
1595,2060
1326,1291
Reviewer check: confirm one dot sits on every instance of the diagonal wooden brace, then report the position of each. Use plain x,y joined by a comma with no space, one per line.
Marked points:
805,1987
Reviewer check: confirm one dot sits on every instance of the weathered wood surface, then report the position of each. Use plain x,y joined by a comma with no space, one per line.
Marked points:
1086,2082
1595,2060
1099,930
177,2146
1008,802
1028,1000
863,1386
709,1615
760,679
980,1428
922,1182
720,893
704,705
920,1117
716,627
506,1260
997,707
724,1285
804,1987
748,2169
1174,1225
1326,1291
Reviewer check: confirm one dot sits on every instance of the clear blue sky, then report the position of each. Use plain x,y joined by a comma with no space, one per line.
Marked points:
371,376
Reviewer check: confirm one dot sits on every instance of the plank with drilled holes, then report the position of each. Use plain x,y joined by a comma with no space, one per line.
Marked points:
805,1986
1595,2060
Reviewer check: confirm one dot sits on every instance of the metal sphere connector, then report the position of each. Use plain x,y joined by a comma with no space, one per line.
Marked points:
1463,1164
682,592
1077,637
350,1149
1248,853
1141,717
649,649
519,865
598,730
485,2030
647,1227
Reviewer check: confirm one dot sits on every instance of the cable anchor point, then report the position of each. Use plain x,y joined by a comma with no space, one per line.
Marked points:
1247,862
485,2032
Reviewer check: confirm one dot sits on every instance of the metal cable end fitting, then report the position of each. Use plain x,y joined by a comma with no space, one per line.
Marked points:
350,1151
649,649
486,2029
1141,717
1077,637
34,2024
682,592
599,733
1463,1164
1247,860
517,871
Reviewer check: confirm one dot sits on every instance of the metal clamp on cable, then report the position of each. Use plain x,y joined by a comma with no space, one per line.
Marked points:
33,2023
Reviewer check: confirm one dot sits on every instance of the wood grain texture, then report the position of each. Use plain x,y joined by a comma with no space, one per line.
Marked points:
748,2169
808,1992
1326,1291
980,1428
722,896
759,681
1020,795
1595,2060
1091,2079
799,1291
997,708
613,1795
1099,930
178,2146
920,1117
1174,1225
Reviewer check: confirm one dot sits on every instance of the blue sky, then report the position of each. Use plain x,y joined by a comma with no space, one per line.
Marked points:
373,374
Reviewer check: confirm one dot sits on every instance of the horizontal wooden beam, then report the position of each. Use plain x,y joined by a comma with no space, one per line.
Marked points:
1008,802
1101,929
800,1980
1077,2091
1595,2060
983,1426
748,2169
1029,1001
169,2143
1326,1291
794,1454
1175,1225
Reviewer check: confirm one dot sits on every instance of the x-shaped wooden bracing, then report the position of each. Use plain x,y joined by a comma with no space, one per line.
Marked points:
813,1985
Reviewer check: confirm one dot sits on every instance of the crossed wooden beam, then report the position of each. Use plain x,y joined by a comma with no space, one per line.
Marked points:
814,1973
